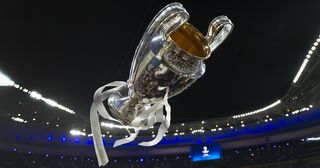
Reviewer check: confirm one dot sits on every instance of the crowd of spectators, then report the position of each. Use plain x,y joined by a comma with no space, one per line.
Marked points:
289,154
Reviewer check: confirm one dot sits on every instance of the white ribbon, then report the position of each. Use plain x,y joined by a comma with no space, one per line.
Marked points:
98,107
153,115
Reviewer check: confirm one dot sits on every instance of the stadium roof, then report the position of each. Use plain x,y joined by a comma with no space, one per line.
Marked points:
66,50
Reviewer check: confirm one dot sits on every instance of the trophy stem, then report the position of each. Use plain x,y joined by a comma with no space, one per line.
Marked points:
123,107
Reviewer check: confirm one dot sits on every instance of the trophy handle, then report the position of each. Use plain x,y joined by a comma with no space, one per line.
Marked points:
221,25
167,20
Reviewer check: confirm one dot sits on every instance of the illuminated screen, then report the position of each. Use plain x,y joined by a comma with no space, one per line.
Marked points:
205,152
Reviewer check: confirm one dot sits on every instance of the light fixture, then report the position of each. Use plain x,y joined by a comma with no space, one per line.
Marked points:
310,52
110,125
49,138
63,139
77,133
55,104
5,80
313,139
35,95
17,119
198,131
301,70
258,111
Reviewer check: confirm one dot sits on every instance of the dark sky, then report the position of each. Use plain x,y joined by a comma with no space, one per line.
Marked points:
66,50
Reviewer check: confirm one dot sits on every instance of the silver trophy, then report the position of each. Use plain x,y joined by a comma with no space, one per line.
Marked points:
169,58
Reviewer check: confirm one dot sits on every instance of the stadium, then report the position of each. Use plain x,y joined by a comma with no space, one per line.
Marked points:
256,106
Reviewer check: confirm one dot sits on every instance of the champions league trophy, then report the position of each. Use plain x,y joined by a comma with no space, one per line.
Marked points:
169,58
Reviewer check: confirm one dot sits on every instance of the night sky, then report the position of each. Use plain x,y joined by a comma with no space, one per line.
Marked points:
66,50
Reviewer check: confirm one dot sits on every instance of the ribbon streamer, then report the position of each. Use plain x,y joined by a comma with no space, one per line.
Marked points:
153,115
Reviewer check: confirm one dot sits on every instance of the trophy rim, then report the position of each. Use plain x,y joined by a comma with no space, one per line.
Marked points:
202,41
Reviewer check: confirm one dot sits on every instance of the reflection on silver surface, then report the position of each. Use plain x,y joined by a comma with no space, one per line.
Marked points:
160,63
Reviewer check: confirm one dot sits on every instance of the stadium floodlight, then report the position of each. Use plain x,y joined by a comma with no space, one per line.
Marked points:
77,133
197,131
308,56
110,125
5,80
258,111
301,70
50,102
35,95
17,119
313,139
